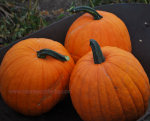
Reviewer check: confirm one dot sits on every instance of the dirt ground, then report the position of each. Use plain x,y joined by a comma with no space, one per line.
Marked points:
57,9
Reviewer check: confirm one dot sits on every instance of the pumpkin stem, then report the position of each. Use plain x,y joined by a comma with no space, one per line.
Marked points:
44,52
97,52
88,10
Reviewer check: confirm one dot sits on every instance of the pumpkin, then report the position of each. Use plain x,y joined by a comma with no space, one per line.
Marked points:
34,75
109,85
105,27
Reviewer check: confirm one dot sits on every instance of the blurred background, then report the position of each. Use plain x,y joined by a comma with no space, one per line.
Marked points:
19,18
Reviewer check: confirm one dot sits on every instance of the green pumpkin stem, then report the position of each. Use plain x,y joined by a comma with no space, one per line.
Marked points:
87,9
97,52
47,52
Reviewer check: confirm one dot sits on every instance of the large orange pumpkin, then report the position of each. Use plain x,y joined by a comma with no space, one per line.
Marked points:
112,87
105,27
32,78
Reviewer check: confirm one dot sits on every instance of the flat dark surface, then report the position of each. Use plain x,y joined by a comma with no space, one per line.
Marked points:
134,16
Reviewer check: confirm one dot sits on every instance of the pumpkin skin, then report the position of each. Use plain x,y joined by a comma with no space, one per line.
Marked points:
114,90
32,85
108,31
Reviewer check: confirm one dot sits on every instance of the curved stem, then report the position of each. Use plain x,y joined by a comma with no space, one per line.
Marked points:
47,52
97,52
87,9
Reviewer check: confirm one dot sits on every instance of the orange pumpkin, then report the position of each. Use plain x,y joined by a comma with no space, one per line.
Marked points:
113,87
105,27
33,78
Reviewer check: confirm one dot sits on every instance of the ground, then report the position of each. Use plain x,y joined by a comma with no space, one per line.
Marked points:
57,9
